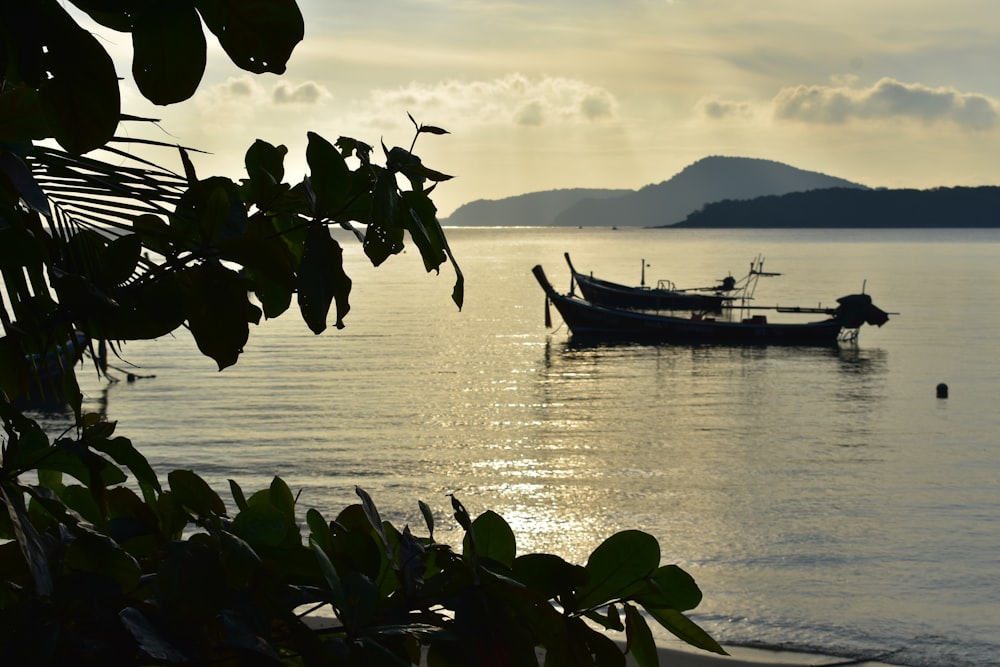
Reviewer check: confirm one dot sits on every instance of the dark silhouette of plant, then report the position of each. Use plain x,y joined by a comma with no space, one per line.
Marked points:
104,564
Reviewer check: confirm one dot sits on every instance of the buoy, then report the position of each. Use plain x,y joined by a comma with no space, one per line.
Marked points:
942,390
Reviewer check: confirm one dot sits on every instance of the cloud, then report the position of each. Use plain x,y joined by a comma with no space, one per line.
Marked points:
718,109
513,99
887,99
303,93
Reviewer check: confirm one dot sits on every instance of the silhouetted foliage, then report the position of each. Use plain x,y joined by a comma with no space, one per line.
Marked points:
102,563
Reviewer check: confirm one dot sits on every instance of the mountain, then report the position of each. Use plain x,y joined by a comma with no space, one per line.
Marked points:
710,179
532,209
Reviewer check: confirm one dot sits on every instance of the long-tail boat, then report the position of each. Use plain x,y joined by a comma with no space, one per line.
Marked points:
665,296
745,325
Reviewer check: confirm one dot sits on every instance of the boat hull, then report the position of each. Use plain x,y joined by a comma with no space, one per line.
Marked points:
621,296
616,295
588,320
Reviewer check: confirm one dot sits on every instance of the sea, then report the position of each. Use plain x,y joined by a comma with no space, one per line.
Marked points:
825,500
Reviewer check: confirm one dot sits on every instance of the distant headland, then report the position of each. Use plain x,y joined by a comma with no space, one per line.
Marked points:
731,192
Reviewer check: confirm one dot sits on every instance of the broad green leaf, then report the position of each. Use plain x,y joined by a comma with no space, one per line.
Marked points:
81,500
319,529
425,230
257,35
27,537
671,587
121,258
321,279
81,463
80,98
218,311
371,511
686,629
121,450
616,565
384,236
265,166
168,51
425,510
331,576
494,539
155,233
100,555
238,497
262,524
604,649
640,639
548,574
240,561
149,638
21,116
195,494
329,176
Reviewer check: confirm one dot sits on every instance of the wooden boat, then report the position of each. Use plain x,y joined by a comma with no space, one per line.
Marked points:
665,296
594,321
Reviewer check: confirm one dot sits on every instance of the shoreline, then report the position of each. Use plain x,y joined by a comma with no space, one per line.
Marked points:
678,654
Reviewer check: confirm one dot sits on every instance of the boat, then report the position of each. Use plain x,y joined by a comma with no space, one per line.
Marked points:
746,326
665,296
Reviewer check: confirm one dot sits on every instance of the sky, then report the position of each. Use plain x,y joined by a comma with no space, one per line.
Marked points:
549,94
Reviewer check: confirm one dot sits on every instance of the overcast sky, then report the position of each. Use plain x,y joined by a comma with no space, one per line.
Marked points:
623,93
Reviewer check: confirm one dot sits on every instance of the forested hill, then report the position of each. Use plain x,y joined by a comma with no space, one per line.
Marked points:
710,179
534,208
846,207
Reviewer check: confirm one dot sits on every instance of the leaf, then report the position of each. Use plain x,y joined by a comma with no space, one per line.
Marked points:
124,453
494,539
121,258
257,35
548,574
27,538
671,587
100,555
425,510
195,494
329,176
218,311
168,51
149,638
265,166
640,639
384,236
616,566
80,97
238,497
374,518
319,529
321,279
425,230
432,129
330,576
262,524
686,629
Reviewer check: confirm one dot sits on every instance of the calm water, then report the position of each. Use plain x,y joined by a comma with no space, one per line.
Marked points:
823,499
